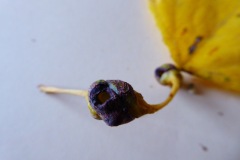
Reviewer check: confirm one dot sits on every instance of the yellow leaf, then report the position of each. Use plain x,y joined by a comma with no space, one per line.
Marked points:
203,37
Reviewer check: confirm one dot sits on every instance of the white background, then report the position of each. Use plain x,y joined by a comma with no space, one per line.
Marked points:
72,43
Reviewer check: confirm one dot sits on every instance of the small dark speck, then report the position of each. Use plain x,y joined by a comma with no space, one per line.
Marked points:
151,86
227,79
33,40
213,50
204,148
238,15
193,47
191,88
184,31
221,114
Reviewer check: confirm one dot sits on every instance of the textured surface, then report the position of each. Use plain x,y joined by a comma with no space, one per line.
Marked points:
72,43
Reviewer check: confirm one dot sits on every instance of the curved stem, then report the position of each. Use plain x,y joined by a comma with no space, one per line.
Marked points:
171,78
175,83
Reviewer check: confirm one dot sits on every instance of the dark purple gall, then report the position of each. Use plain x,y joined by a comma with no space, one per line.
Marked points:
113,100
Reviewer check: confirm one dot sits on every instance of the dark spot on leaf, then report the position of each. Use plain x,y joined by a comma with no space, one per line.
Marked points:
213,50
238,15
184,31
193,47
226,79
